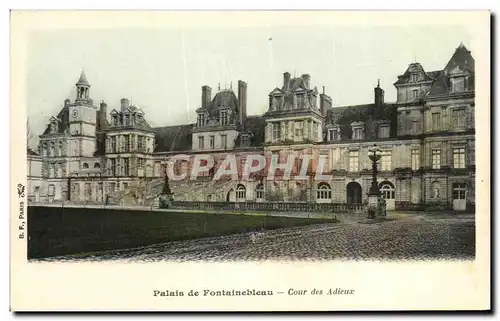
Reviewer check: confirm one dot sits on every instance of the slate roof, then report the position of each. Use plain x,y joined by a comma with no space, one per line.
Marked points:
83,79
173,138
461,59
345,115
428,76
224,98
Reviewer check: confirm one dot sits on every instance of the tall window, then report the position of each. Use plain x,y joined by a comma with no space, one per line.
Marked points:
201,120
315,131
113,167
459,157
458,84
113,144
299,130
51,190
212,141
223,139
112,187
241,192
56,170
223,118
201,142
386,161
436,158
276,131
140,143
127,143
126,167
414,77
353,161
259,191
436,121
458,118
415,93
415,159
415,127
324,192
332,134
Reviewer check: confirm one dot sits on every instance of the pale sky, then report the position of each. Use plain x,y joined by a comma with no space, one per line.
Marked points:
162,70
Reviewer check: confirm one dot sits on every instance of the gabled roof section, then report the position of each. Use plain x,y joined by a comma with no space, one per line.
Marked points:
276,91
461,60
416,68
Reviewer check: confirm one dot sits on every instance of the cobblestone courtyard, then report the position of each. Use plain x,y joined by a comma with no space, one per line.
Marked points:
409,236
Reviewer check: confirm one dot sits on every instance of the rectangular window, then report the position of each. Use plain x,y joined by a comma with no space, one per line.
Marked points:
414,77
212,141
354,161
201,120
223,118
436,158
276,131
201,142
114,121
458,84
436,121
112,187
415,159
140,143
384,131
314,134
299,130
459,157
127,143
386,161
415,93
125,186
113,167
126,167
330,134
51,190
415,127
113,144
223,139
458,118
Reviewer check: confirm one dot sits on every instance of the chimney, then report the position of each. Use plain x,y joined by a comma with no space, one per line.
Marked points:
66,102
307,80
206,96
379,96
325,103
242,101
103,114
286,80
124,103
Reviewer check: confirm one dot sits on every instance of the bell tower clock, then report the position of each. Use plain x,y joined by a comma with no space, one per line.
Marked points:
82,120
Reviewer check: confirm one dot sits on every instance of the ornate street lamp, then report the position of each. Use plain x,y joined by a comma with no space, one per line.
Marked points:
374,202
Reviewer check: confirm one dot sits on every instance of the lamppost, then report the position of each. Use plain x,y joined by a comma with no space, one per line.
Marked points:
374,205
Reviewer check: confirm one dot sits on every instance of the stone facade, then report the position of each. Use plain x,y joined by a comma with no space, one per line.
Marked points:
426,138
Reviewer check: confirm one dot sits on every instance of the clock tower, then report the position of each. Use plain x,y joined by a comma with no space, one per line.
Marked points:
82,120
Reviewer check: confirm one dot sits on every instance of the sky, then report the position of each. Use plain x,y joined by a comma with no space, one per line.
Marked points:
162,70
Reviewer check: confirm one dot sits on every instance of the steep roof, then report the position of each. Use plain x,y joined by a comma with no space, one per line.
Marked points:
416,67
173,138
345,115
224,98
256,127
83,79
461,60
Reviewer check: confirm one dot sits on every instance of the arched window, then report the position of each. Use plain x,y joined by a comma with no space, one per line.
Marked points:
241,192
259,191
387,190
436,190
85,165
324,192
97,165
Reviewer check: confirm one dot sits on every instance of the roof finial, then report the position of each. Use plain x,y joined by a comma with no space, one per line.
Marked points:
231,86
378,82
461,45
218,86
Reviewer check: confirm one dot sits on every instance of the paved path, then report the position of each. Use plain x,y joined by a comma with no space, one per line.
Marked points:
410,236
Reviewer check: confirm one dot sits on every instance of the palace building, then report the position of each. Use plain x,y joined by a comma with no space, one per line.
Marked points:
426,138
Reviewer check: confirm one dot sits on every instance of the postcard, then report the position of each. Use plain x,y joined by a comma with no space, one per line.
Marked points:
250,160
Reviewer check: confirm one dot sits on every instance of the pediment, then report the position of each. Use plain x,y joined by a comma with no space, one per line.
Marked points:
114,112
276,91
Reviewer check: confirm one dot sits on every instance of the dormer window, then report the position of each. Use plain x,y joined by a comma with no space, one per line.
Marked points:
223,118
114,121
127,120
384,131
414,77
201,120
459,84
358,131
